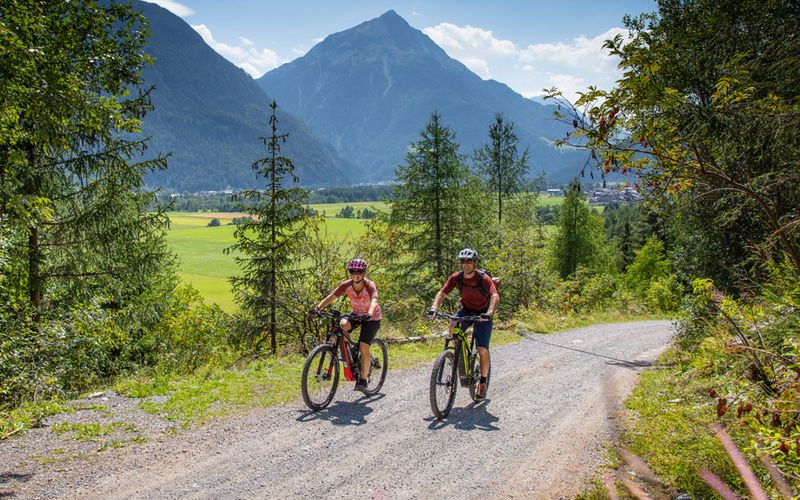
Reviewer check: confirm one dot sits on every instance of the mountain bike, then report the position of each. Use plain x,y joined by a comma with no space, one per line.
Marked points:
321,371
457,363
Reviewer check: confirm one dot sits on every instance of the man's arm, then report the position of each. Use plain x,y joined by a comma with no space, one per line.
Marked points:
493,304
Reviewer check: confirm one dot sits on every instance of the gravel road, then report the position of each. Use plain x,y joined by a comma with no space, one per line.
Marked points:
550,411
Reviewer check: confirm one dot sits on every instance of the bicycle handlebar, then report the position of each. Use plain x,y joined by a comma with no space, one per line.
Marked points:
330,314
453,317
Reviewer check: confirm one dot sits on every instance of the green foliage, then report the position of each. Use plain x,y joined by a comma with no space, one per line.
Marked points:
498,162
70,191
269,243
432,199
580,240
60,356
190,334
521,261
749,348
214,222
711,132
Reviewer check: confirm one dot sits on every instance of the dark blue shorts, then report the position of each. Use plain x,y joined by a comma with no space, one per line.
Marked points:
481,330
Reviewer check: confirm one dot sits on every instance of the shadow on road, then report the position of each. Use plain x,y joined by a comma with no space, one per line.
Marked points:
344,412
12,476
614,361
475,416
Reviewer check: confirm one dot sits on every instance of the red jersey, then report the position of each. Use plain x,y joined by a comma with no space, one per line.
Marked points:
473,299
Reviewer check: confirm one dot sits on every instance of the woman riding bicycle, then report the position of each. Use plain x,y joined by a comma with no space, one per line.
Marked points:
478,296
363,297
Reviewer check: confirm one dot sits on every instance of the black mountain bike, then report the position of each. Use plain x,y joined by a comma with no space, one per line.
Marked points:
321,372
457,363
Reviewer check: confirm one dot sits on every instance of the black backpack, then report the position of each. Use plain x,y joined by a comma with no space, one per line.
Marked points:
480,286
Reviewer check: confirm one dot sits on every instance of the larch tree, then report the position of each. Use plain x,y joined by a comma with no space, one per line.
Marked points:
429,199
500,164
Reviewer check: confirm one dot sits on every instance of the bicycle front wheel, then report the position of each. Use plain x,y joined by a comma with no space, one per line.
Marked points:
320,377
378,364
443,384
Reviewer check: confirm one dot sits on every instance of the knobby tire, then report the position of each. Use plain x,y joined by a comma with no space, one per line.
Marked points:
379,363
320,377
444,381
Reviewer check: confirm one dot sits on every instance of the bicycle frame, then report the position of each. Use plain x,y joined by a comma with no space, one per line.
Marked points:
339,339
463,350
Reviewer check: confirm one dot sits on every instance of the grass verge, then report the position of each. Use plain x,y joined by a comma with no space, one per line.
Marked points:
548,322
668,424
197,398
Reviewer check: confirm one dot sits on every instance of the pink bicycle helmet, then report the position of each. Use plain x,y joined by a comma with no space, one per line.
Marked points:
357,265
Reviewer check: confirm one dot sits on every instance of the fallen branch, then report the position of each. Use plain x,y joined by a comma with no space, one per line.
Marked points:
6,436
418,338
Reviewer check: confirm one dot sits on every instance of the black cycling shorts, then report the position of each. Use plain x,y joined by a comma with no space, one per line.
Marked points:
368,330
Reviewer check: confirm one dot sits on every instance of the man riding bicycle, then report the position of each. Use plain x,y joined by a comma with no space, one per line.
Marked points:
363,297
478,296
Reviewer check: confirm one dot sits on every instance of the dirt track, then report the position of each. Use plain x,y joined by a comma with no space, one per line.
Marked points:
550,411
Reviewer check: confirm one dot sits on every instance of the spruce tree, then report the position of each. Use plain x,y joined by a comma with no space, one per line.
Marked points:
268,241
429,199
74,202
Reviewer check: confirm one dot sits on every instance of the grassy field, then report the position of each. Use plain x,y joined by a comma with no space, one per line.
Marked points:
331,209
200,250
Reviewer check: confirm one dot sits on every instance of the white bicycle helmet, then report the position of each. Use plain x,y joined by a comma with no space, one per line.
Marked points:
468,254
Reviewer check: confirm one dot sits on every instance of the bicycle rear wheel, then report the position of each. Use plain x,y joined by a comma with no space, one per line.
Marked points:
443,384
378,364
320,377
476,378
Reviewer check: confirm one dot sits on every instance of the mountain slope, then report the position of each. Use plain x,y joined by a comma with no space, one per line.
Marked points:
369,91
210,115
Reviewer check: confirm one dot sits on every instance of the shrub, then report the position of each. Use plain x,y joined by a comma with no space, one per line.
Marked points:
214,222
190,334
61,356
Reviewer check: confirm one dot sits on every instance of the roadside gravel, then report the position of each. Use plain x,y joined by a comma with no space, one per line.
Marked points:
551,410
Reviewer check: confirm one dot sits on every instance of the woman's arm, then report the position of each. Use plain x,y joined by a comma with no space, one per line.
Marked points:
327,300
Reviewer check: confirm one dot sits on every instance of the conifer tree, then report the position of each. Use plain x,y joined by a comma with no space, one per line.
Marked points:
74,204
268,241
429,199
498,162
579,234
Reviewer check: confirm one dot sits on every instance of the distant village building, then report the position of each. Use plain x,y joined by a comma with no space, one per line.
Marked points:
605,196
555,192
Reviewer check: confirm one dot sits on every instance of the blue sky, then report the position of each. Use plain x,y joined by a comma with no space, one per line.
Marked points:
528,45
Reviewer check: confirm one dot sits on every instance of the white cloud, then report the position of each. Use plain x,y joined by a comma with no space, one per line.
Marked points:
469,41
571,66
475,47
246,41
176,8
478,66
254,61
582,52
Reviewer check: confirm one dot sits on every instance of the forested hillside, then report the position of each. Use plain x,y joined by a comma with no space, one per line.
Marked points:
209,115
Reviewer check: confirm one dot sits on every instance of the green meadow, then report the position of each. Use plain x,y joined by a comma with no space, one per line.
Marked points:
200,249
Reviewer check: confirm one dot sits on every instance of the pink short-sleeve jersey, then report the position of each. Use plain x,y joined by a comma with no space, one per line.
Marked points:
360,301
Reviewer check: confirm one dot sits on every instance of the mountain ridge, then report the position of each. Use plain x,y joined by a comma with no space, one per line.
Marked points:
210,114
370,89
